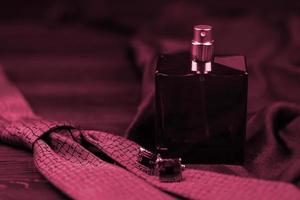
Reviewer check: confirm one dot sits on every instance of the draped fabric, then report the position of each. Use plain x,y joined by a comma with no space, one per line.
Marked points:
271,47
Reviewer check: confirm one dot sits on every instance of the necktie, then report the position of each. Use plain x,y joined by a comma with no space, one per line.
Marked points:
73,160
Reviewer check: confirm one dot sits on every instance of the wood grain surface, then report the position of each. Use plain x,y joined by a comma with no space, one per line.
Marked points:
66,73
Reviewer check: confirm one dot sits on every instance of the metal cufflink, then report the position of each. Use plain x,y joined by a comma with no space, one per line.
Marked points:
146,161
170,169
167,169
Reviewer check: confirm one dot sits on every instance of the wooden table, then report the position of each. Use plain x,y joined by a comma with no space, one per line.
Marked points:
66,73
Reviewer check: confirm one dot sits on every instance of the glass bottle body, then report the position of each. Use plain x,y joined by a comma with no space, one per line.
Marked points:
200,117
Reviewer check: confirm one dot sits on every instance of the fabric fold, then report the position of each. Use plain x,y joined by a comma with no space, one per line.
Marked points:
271,147
59,156
82,175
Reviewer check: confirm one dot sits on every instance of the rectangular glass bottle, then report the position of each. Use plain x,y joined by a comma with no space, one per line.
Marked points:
201,117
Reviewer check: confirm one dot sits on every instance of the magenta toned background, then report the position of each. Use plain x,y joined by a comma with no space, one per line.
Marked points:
71,60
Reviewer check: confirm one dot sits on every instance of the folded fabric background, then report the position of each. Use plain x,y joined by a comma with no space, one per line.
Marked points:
272,51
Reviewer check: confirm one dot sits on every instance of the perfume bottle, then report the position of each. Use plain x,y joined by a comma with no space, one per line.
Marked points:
201,103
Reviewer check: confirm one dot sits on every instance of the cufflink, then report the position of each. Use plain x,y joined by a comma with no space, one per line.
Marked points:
169,170
146,161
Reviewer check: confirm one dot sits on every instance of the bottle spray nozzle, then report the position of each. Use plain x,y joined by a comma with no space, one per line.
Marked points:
202,43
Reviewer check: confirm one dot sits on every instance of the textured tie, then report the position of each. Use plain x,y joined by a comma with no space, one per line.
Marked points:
73,161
